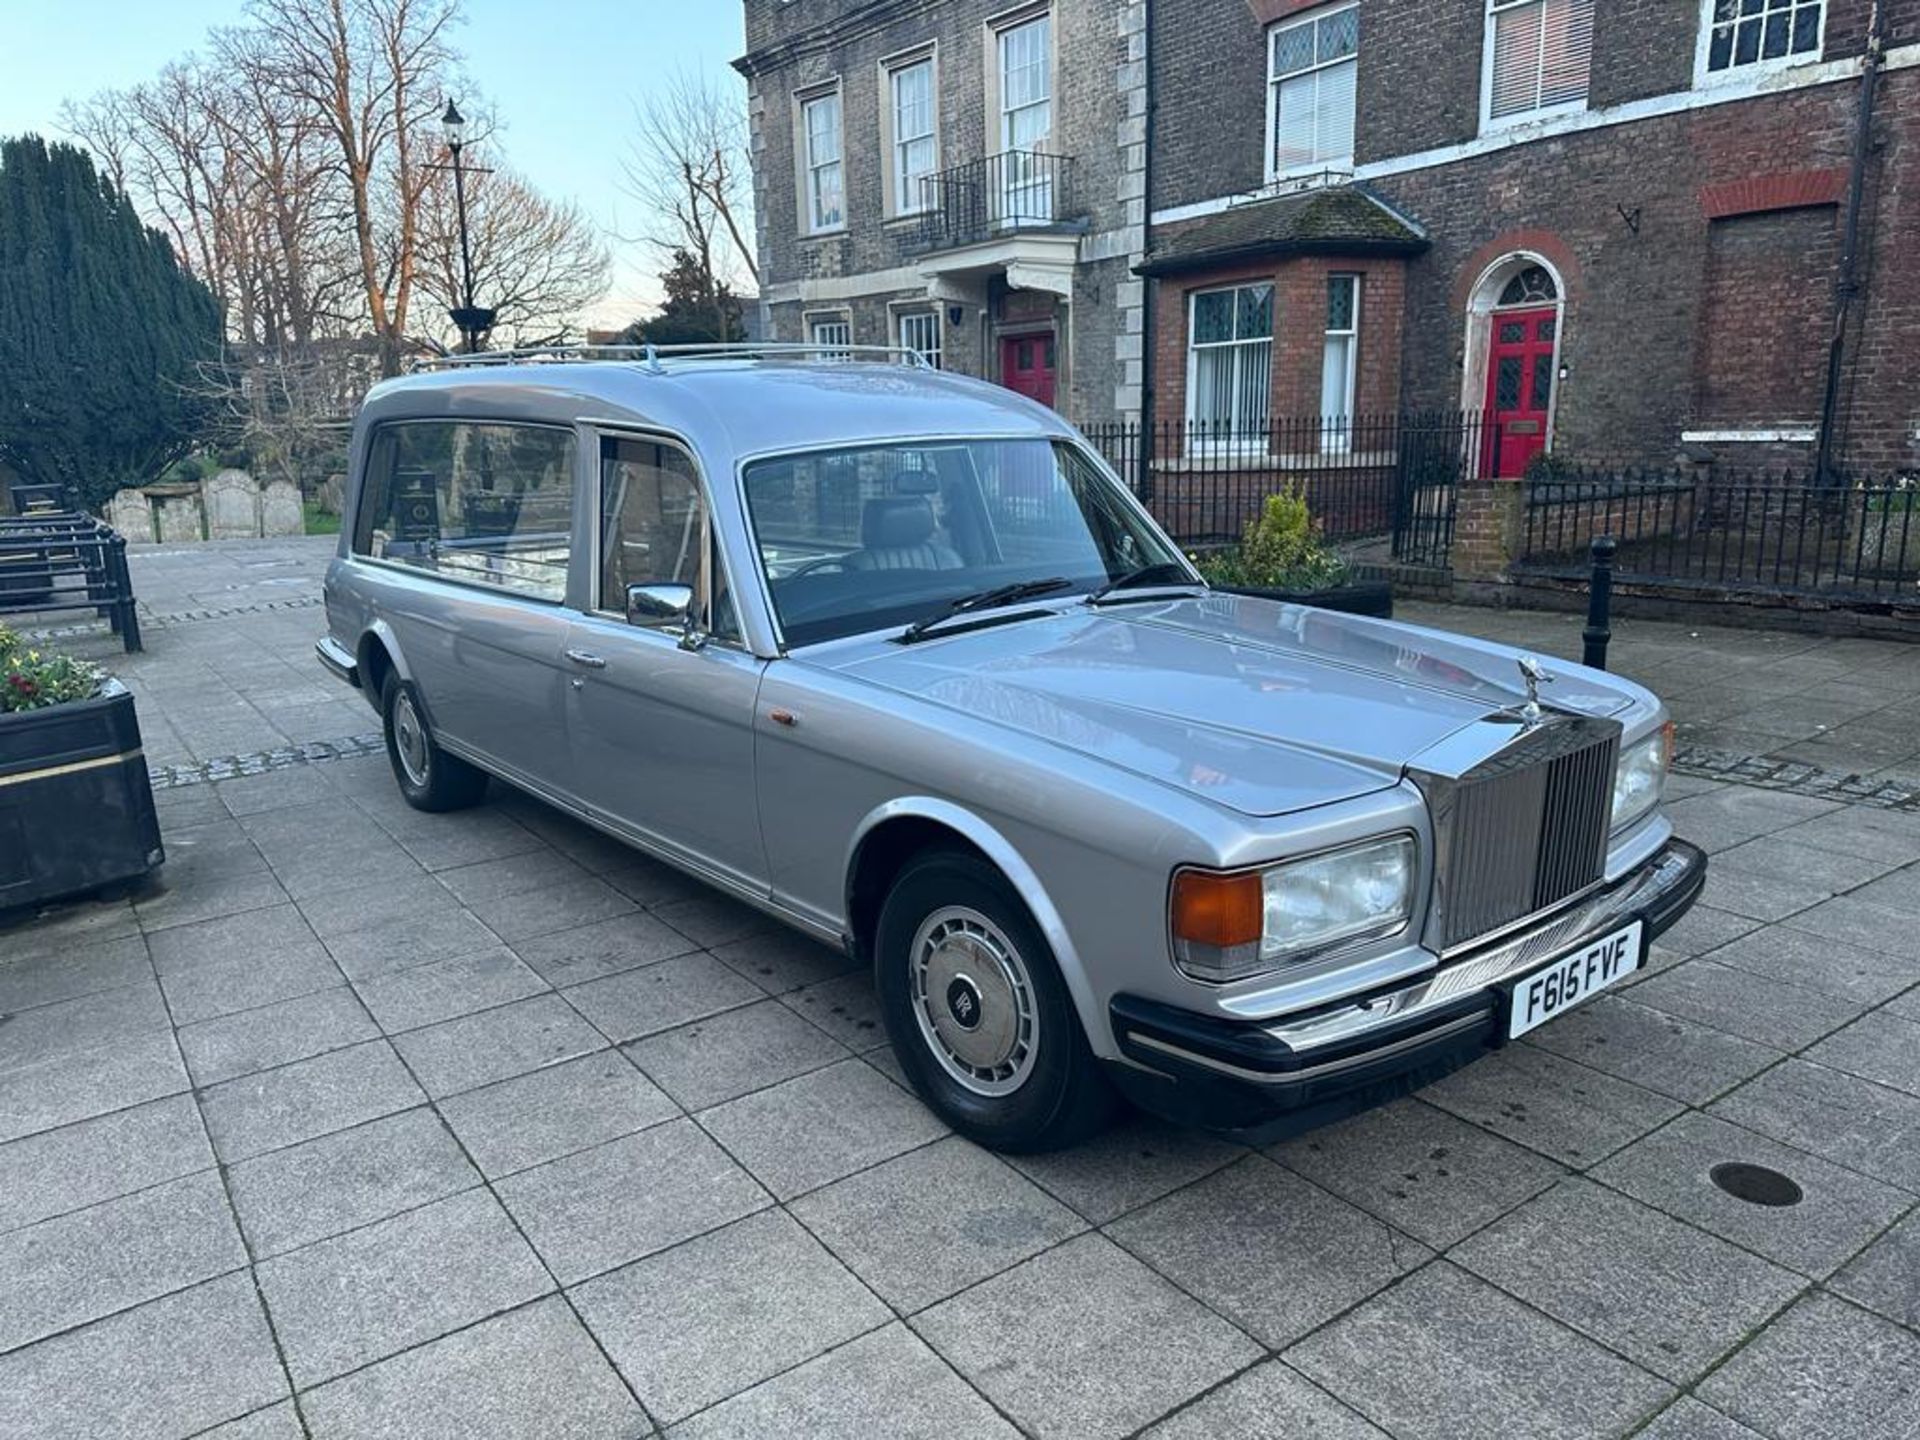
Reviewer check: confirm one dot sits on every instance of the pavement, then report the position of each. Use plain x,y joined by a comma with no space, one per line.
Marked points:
362,1122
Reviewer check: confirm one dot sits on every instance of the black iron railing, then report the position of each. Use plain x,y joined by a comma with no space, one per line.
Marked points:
1716,530
1362,475
67,560
987,197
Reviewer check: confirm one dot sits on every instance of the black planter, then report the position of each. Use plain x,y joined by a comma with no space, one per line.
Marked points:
76,808
1362,597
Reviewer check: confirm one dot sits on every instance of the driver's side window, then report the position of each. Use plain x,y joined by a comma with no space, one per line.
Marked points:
653,529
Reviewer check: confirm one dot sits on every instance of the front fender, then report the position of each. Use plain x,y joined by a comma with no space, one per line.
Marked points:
996,847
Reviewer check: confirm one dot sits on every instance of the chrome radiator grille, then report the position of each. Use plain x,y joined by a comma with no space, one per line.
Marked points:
1522,830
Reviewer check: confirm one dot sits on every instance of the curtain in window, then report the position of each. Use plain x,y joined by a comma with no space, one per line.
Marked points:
1542,53
912,132
1313,71
1230,365
823,160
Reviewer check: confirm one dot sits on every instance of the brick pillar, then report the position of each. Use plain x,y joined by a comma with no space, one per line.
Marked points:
1488,519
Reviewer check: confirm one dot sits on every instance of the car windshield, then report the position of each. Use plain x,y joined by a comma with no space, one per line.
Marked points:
870,537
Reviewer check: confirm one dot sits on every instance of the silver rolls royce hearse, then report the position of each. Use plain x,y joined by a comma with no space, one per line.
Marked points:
896,657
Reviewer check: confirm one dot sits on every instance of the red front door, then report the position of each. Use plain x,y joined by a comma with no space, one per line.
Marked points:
1026,365
1519,387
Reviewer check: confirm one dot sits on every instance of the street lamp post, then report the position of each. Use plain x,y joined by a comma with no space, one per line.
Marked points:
473,320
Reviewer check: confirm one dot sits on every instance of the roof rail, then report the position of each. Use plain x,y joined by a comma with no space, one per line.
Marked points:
649,356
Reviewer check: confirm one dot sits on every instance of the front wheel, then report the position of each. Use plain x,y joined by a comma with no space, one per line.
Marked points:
977,1011
430,778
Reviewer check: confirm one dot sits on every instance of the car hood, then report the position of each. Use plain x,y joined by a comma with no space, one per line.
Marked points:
1259,706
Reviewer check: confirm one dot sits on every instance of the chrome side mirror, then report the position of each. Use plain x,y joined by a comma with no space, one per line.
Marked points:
658,606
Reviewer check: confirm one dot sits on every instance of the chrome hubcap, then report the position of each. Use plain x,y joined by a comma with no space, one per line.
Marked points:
974,1001
410,739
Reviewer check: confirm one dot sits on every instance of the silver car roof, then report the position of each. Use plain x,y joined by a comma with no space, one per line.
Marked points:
730,409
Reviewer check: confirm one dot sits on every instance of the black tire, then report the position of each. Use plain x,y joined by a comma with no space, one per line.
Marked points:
429,778
1059,1095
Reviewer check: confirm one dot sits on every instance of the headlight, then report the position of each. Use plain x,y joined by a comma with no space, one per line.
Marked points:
1640,777
1227,927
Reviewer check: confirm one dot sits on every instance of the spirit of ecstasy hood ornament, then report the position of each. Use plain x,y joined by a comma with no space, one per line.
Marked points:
1534,674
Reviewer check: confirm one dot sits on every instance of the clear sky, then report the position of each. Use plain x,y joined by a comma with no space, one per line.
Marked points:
564,76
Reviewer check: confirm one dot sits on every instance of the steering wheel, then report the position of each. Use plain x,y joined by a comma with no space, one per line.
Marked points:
837,561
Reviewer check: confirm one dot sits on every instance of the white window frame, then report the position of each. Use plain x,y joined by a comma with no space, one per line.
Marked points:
812,223
1735,73
1488,120
902,319
1271,140
904,198
1339,439
830,320
1233,443
1001,31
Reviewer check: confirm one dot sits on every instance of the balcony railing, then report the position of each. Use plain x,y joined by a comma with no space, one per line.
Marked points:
985,198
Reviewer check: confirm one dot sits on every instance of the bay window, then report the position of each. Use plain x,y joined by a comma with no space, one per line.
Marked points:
1230,365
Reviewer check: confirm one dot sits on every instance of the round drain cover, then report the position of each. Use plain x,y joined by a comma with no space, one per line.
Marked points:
1755,1184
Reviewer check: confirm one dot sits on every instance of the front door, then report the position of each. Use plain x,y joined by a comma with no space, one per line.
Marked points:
1519,388
1026,365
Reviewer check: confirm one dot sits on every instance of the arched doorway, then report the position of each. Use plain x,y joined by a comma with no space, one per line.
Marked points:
1514,329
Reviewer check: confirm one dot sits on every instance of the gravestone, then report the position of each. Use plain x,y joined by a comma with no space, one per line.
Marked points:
233,506
332,497
130,513
280,512
180,519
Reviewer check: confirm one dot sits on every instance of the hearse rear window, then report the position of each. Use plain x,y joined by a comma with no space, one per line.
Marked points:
484,504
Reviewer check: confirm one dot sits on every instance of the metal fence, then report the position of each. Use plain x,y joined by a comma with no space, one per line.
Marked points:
1715,530
66,560
990,195
1362,476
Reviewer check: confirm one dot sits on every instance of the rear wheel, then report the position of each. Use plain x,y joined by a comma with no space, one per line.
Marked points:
430,778
977,1011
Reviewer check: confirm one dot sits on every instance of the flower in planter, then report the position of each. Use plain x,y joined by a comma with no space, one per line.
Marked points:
1281,550
31,681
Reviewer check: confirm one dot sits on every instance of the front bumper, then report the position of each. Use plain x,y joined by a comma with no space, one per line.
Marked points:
338,659
1302,1070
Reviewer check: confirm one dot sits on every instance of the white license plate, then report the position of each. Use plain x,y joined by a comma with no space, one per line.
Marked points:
1572,978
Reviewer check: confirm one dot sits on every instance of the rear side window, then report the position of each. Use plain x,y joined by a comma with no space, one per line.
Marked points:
484,504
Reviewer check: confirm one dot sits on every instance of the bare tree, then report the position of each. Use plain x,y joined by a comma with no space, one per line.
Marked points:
538,263
690,168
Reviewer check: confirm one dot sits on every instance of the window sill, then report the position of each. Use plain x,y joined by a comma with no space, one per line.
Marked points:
1785,433
1753,70
827,234
1522,119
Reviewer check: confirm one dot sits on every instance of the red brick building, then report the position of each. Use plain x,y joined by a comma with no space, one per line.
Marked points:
1616,224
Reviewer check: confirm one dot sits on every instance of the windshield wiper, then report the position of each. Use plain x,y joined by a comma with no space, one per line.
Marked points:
982,600
1159,573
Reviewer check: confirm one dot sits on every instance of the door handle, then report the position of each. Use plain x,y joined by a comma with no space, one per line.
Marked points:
586,658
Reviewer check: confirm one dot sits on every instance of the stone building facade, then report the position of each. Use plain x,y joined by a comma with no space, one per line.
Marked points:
961,177
1616,224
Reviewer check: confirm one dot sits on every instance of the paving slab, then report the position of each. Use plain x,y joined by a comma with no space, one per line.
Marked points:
1679,1058
844,1006
1853,920
1270,1402
274,1422
172,900
1132,1164
1879,1047
277,1108
572,1106
593,952
78,1084
1839,1117
885,1383
424,995
414,937
1671,1170
1420,1169
1886,1275
810,1131
558,906
1819,962
1446,1356
92,1021
734,1053
1568,1112
84,969
783,960
275,1035
1826,1371
365,1295
532,1371
710,919
661,996
931,1222
57,1171
339,1182
1084,1341
1688,1419
601,1208
1670,1297
115,1255
1274,1253
169,1368
1739,1002
497,1044
705,1320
